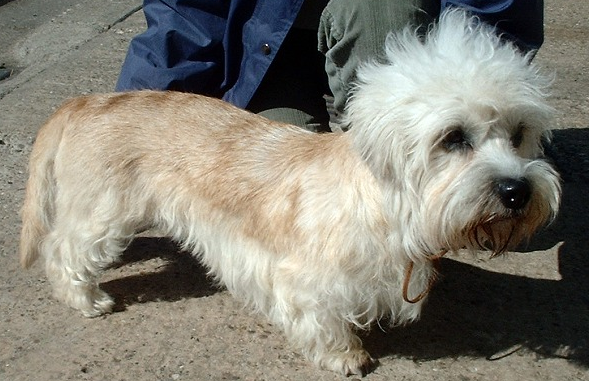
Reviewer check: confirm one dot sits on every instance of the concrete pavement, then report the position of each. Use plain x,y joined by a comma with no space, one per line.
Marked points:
523,317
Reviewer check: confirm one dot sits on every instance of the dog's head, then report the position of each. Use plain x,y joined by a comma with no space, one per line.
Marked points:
453,126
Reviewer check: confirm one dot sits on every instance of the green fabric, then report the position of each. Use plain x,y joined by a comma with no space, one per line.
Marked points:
352,31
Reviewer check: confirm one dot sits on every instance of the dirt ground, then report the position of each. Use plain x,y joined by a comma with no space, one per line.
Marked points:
522,317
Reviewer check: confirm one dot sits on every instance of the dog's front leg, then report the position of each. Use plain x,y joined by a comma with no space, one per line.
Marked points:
315,326
329,342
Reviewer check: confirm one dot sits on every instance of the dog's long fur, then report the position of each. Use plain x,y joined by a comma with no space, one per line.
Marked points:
315,231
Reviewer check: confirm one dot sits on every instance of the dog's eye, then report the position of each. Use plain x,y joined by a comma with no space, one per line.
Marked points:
518,137
455,140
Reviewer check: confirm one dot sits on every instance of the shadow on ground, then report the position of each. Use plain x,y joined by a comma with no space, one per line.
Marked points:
177,276
471,312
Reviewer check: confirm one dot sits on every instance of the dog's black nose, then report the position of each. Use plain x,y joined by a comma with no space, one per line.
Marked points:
514,193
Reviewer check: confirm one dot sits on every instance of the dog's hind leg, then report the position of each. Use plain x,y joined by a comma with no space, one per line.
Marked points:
75,257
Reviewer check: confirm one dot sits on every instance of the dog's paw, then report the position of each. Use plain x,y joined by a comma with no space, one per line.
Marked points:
354,362
100,306
93,303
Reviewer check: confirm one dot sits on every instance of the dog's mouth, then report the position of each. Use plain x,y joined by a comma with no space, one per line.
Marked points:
496,234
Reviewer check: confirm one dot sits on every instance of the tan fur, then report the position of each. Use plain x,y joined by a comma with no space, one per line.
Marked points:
314,231
114,164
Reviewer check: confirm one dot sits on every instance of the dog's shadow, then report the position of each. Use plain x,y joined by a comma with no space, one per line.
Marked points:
177,275
471,312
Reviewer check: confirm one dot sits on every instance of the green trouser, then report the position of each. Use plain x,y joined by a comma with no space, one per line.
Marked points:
347,33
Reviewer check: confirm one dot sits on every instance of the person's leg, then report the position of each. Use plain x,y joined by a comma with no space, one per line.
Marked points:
352,31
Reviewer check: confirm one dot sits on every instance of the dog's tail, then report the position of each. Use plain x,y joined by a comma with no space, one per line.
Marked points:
38,209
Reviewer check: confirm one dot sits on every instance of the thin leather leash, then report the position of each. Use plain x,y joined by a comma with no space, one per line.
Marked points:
432,280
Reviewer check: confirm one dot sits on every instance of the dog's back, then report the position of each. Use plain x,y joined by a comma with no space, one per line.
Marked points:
148,146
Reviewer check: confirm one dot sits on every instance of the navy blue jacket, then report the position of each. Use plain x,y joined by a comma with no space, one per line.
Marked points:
223,48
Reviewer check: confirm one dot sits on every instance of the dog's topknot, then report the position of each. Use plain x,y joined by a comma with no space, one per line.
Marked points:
458,48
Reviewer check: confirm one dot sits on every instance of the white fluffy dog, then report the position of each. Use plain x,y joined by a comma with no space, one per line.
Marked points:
323,233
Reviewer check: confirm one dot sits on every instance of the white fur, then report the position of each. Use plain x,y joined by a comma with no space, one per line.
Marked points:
314,231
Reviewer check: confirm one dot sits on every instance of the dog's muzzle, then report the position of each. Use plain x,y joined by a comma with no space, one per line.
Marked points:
513,193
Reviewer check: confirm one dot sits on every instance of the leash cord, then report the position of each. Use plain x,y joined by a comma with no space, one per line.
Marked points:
407,280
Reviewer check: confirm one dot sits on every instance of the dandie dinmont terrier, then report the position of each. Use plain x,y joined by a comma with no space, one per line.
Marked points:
325,234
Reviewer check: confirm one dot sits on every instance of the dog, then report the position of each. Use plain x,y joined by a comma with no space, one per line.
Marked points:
325,234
